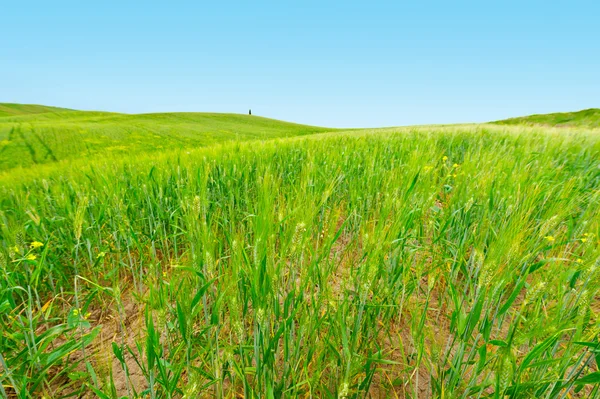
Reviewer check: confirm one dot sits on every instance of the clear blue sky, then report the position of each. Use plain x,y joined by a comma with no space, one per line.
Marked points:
326,63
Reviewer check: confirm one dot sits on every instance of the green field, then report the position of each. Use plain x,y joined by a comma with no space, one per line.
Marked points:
589,118
36,135
216,255
21,110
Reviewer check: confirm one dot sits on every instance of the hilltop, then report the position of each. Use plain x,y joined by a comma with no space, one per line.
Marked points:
586,118
37,134
10,109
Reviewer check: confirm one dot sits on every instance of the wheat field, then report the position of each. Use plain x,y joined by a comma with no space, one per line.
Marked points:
453,261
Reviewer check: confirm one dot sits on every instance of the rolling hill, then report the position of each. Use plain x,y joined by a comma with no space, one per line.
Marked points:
36,134
589,118
11,109
419,262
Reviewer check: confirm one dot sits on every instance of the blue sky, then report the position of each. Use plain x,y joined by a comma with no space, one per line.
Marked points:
338,64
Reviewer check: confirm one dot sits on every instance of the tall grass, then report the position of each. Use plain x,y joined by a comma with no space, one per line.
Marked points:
438,262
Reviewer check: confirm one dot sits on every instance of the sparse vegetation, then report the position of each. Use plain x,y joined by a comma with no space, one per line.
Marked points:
454,262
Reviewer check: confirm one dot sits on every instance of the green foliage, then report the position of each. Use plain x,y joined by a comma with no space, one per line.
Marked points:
449,262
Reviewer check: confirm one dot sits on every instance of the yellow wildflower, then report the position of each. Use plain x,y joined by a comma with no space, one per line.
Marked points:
31,257
36,244
16,249
579,261
444,158
583,239
549,238
455,165
427,168
101,255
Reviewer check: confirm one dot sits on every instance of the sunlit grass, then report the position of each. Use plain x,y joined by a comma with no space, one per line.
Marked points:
42,135
428,262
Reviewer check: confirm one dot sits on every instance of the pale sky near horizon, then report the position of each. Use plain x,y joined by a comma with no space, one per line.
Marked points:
337,64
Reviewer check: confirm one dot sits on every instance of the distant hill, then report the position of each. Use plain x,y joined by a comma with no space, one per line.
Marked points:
36,134
8,109
587,118
33,134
